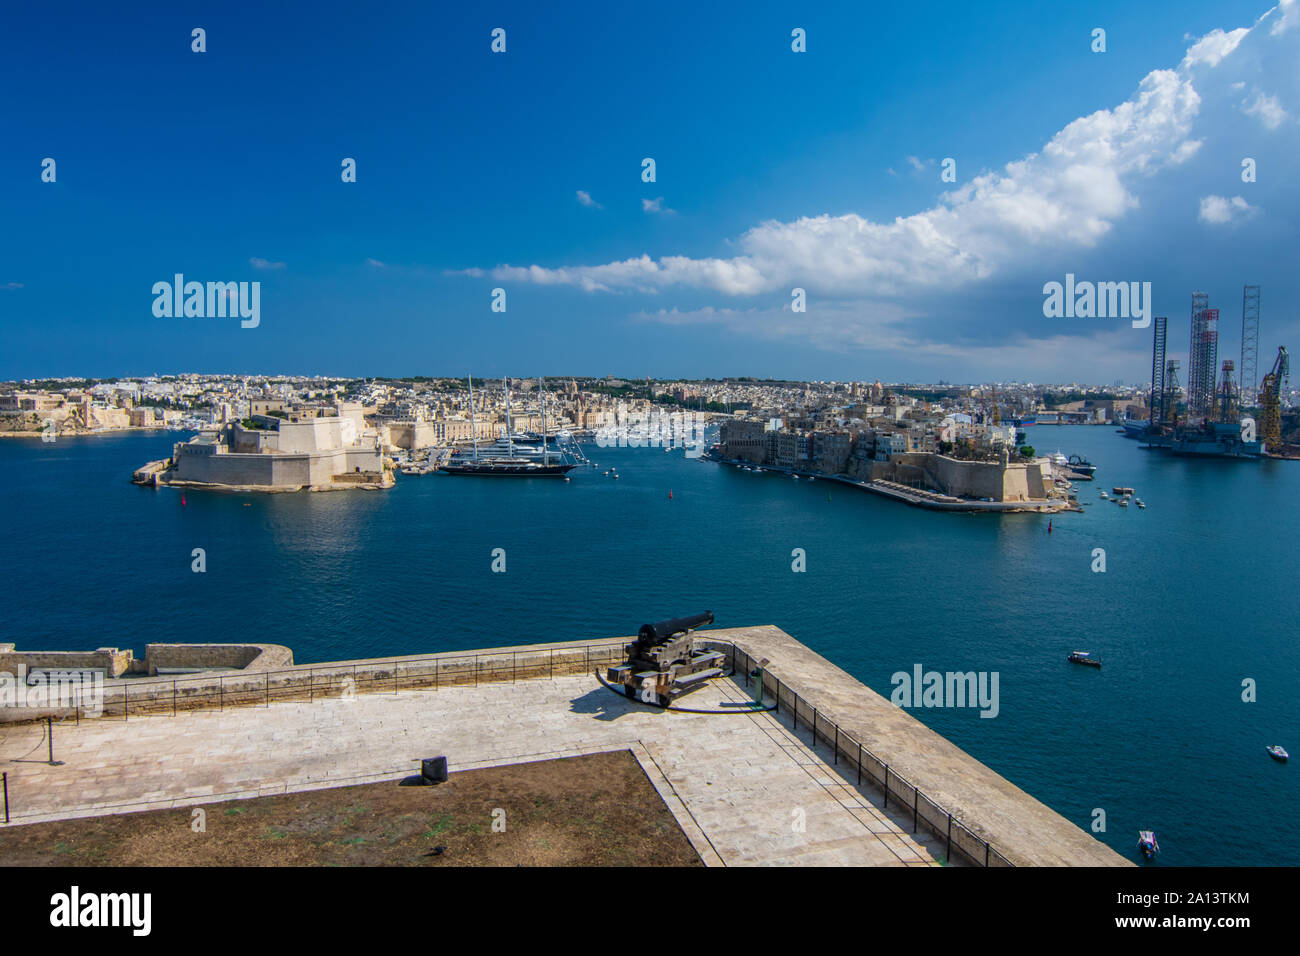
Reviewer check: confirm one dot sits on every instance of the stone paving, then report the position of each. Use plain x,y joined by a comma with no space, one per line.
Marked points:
739,785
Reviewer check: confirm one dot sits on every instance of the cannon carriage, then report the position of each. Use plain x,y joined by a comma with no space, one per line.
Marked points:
665,661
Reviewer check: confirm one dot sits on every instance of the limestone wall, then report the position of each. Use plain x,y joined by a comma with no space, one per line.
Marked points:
112,661
248,657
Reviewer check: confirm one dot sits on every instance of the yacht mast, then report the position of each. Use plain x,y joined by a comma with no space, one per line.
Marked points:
546,450
472,426
510,429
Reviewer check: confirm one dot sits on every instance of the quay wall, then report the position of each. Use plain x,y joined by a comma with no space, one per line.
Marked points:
1023,830
1018,481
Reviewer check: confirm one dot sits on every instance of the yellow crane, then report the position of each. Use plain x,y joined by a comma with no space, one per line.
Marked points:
1270,401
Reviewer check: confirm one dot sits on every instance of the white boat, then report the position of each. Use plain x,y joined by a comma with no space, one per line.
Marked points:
1106,496
1123,502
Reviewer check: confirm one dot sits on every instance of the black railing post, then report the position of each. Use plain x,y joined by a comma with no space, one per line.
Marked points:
837,745
859,764
814,728
948,852
916,796
173,696
49,737
6,780
886,786
986,855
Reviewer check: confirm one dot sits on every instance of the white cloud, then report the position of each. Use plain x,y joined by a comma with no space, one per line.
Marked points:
1068,195
585,199
916,164
1289,17
1267,107
1218,210
1213,47
11,285
1005,223
259,263
887,330
375,263
656,206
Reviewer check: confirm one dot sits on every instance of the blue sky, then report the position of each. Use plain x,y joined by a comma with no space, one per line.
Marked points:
775,169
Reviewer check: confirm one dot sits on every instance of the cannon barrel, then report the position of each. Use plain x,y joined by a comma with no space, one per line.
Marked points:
658,633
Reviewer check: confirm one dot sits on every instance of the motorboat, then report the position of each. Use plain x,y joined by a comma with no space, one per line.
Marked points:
1147,843
1278,753
1083,657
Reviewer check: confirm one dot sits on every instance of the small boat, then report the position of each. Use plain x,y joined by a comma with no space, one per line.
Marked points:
1139,502
1147,843
616,477
1123,502
1083,657
1106,496
1081,465
1278,753
1121,490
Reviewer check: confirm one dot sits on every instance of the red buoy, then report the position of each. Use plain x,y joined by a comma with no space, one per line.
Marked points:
670,494
182,500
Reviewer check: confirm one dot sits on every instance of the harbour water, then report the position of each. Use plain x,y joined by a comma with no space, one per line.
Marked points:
1196,598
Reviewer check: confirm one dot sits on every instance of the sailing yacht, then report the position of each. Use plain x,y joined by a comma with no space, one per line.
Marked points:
514,463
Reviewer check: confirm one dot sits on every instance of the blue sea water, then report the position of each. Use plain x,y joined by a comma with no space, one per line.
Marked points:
1196,598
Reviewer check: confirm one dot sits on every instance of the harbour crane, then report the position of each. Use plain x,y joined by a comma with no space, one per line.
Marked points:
1270,401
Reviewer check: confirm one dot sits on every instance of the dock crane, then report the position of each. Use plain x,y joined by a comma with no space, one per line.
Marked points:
1270,401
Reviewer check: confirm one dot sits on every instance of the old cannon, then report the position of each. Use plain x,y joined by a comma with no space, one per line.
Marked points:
665,661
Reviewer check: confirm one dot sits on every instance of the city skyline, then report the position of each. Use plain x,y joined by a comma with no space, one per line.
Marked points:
775,170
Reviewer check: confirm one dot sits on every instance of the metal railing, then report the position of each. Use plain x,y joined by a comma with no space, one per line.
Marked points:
143,697
154,697
925,811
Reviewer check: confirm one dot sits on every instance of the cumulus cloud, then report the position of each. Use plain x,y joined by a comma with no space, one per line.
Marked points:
1218,210
652,206
259,263
1213,47
1066,197
584,198
887,331
375,263
1267,107
1287,18
11,285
